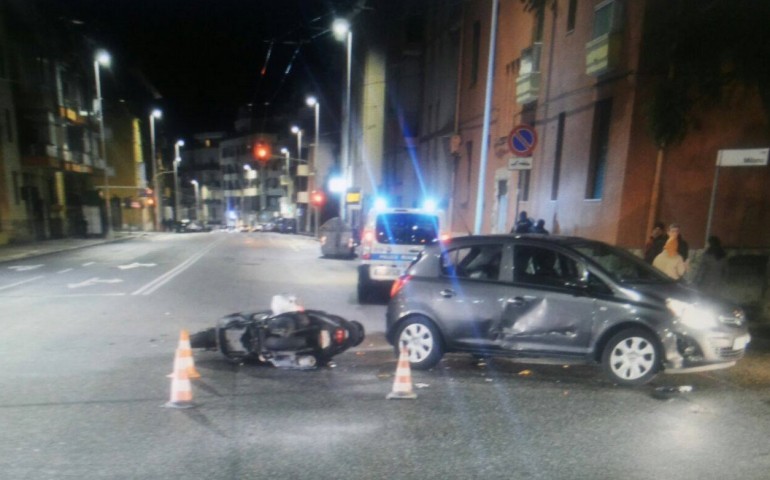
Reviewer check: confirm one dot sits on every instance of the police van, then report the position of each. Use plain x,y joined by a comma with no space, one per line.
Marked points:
391,240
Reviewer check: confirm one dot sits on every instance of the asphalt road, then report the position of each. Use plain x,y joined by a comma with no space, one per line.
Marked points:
88,341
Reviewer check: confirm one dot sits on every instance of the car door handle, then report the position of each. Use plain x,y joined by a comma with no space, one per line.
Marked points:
447,293
516,301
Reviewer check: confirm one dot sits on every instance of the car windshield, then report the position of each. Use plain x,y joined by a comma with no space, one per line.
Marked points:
620,264
403,228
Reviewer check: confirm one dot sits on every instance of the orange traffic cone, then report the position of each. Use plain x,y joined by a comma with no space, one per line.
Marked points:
402,384
181,389
184,357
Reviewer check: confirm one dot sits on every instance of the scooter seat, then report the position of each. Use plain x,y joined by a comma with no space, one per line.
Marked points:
285,343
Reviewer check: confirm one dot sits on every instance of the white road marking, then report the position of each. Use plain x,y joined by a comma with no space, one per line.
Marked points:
65,270
24,268
135,265
166,277
93,281
88,264
22,282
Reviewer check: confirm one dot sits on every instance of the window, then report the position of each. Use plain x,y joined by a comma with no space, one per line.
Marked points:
571,14
607,18
15,179
406,229
479,262
469,154
543,266
557,157
524,176
599,149
475,53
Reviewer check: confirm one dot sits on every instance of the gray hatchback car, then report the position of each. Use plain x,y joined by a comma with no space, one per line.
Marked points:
563,298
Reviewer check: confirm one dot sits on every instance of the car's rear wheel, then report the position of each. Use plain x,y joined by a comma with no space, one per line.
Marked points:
631,357
422,342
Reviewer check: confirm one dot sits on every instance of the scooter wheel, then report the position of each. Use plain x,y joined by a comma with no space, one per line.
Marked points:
204,339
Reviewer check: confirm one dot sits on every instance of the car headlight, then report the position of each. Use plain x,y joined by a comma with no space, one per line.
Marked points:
691,315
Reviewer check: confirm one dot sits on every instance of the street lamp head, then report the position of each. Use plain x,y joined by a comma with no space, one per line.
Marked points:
157,113
311,101
247,167
180,143
285,151
340,27
295,129
194,182
103,58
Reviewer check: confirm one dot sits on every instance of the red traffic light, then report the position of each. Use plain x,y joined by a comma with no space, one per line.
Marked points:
261,152
317,198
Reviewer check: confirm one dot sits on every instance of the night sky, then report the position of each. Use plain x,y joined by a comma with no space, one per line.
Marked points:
205,58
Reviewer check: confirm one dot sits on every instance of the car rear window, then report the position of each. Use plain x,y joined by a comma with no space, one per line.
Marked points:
406,228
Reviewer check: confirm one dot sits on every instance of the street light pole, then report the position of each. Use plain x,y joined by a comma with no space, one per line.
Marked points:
342,30
103,58
177,160
313,102
197,196
156,171
298,132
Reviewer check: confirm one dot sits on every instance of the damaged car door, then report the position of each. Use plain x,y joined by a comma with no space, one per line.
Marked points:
469,293
548,310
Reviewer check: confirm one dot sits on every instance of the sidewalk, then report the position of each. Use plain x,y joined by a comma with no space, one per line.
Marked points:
16,252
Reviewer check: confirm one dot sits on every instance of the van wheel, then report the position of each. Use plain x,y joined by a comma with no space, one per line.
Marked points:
422,342
631,357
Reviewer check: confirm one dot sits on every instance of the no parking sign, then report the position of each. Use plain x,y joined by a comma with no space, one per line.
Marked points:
522,140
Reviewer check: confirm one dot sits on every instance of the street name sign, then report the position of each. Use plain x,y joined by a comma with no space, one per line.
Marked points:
756,157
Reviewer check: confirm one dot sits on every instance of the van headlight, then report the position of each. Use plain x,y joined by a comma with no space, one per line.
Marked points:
691,315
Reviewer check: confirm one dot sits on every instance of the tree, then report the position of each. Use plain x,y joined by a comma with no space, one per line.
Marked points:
702,53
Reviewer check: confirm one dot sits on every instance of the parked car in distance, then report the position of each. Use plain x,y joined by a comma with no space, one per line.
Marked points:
187,226
567,299
337,239
285,225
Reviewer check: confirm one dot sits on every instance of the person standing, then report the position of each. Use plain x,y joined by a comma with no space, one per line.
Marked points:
523,225
683,248
669,261
713,265
655,243
540,228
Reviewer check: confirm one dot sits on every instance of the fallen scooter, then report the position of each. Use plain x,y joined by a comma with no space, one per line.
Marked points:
286,336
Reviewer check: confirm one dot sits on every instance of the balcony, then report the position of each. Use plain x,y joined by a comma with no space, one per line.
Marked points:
603,54
528,81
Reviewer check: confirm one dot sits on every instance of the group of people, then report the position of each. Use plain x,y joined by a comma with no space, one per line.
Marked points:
525,225
668,252
665,250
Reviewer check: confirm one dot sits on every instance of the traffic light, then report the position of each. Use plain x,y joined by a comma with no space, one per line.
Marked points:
261,152
317,198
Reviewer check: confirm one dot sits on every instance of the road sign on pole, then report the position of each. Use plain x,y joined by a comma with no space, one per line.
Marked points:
522,140
756,157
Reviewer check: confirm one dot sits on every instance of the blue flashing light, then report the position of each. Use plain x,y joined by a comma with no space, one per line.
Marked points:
380,203
429,205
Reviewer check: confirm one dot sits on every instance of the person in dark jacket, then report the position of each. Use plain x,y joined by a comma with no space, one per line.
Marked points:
524,225
540,227
655,243
712,269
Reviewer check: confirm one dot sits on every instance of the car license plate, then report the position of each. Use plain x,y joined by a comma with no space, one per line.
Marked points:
387,271
740,342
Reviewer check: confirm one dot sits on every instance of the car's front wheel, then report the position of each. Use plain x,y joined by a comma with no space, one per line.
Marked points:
631,357
422,341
